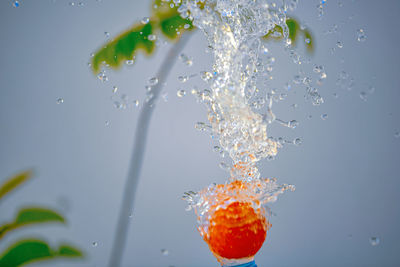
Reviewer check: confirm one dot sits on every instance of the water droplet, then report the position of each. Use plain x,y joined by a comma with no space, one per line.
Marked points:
152,37
145,20
114,89
60,100
129,62
339,44
102,76
16,4
107,123
107,34
318,68
293,124
164,96
324,116
297,141
153,81
224,166
363,96
181,93
361,36
397,134
165,252
136,103
94,244
130,215
72,4
185,60
374,241
183,78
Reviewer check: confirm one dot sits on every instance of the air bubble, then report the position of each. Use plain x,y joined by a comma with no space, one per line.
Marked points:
181,93
145,20
183,79
374,241
293,124
297,141
152,37
153,81
361,36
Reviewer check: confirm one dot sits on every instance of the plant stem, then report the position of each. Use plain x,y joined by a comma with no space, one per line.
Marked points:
138,153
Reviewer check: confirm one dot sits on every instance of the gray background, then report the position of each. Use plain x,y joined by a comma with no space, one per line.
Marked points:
346,172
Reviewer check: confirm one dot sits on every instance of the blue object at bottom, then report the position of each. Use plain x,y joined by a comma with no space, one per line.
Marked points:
249,264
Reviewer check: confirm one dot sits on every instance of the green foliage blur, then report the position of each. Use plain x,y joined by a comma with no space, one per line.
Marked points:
30,250
167,20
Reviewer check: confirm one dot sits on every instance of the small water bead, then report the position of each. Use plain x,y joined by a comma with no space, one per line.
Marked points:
164,252
224,166
293,124
95,244
361,36
16,4
181,93
297,141
185,59
152,37
307,40
130,215
153,81
114,89
183,78
102,76
107,34
129,62
318,68
374,241
60,100
335,95
363,96
339,44
206,76
107,123
145,20
397,134
136,103
324,116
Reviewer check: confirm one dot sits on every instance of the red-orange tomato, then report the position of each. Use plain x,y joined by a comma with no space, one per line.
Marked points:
237,231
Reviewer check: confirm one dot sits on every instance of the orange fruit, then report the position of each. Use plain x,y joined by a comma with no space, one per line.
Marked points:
236,231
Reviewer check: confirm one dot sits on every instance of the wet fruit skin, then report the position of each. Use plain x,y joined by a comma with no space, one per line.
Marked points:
237,231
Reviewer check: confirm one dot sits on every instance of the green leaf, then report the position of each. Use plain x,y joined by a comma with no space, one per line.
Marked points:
31,215
14,182
172,25
69,251
310,43
293,26
25,251
125,46
31,250
37,215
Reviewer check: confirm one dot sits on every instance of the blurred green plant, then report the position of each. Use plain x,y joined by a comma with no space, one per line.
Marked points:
168,21
30,250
